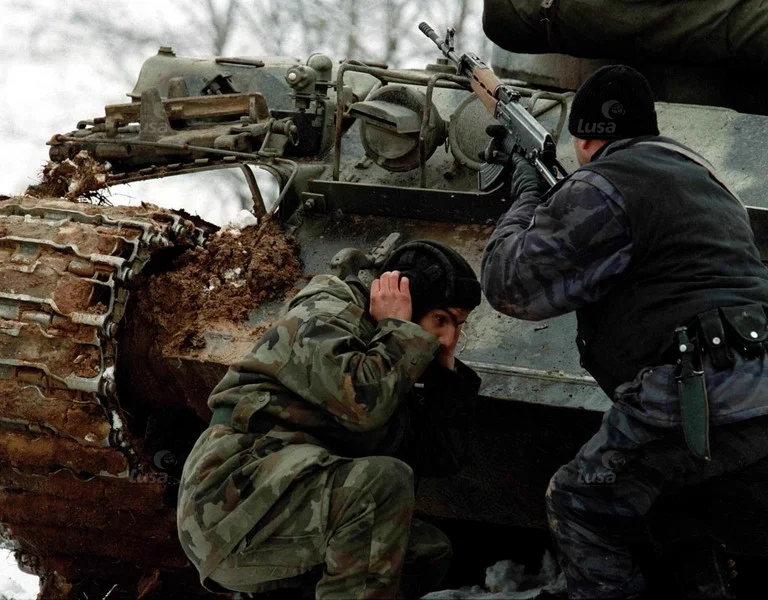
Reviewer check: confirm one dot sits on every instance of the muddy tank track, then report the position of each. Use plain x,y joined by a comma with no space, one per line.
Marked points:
65,439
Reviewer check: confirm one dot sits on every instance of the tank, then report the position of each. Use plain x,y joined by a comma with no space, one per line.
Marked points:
118,321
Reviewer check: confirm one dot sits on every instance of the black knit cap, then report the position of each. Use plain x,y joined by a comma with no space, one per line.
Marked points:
614,102
439,277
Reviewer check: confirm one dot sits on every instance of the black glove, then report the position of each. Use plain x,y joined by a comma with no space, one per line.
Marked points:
525,178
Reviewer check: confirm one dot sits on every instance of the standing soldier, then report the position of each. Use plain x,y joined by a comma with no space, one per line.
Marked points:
658,260
305,478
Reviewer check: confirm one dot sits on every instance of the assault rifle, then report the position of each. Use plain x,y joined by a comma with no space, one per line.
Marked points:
519,131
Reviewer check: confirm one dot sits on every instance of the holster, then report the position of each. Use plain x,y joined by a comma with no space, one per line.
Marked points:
718,333
692,392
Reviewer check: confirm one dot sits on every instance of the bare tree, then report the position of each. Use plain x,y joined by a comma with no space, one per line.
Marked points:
221,23
461,17
352,46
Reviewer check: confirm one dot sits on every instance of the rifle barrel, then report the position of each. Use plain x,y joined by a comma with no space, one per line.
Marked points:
444,48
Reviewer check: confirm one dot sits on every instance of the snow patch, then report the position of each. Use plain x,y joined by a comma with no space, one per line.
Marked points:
508,581
234,277
243,219
117,423
14,583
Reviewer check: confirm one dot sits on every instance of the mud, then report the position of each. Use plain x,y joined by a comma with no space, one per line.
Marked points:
63,327
76,178
132,550
22,450
117,494
86,362
63,411
47,510
72,293
223,282
62,356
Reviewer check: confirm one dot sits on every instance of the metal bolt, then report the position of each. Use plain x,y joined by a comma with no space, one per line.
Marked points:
716,341
753,334
128,275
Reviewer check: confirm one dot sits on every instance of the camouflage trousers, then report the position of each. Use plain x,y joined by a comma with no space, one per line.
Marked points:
599,504
371,546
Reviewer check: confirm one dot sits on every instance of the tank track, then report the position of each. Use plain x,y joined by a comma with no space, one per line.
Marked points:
78,492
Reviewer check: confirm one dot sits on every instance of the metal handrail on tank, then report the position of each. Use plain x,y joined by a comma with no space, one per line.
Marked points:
425,122
558,99
442,80
385,76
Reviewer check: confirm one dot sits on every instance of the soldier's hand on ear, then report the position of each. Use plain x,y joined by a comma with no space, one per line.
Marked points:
391,297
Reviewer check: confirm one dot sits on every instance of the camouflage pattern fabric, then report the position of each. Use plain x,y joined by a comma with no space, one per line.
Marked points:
275,495
368,537
540,244
598,503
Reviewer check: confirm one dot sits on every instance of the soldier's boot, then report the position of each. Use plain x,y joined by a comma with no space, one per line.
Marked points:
701,571
426,560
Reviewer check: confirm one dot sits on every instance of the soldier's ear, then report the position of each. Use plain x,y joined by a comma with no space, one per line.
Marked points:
586,148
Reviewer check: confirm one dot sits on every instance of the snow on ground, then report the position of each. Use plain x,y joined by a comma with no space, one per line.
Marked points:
14,584
508,581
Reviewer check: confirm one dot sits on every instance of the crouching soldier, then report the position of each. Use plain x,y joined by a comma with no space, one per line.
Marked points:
305,478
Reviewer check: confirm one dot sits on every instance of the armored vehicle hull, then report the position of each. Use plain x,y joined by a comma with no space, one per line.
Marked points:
118,321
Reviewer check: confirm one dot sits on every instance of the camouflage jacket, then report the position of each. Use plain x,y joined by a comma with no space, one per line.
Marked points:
323,384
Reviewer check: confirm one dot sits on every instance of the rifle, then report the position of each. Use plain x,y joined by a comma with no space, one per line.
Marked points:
521,131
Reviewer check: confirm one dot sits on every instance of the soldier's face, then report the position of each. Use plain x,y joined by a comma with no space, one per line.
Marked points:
445,324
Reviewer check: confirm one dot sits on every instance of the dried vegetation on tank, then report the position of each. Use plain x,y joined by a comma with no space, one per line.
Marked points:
77,178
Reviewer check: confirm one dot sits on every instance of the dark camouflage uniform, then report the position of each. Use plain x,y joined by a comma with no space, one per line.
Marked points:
293,487
555,255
